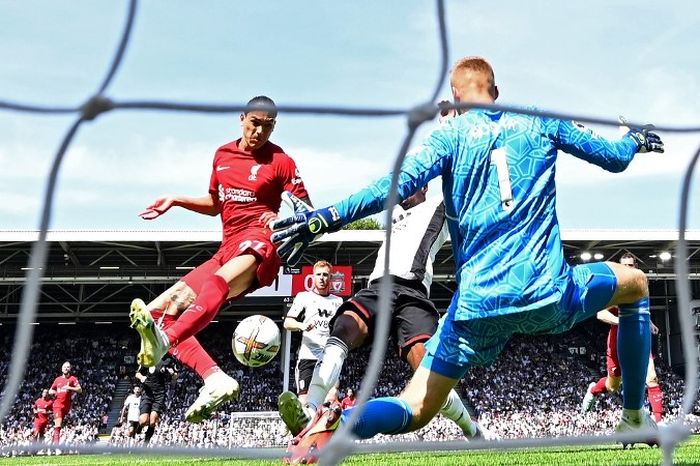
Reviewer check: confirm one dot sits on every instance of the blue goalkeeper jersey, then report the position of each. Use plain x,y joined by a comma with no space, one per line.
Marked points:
497,173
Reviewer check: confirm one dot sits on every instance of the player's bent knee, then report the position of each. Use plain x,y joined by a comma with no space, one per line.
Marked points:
642,284
413,354
632,284
425,395
638,286
350,329
423,409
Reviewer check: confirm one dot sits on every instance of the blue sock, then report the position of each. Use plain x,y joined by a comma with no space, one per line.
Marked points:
633,347
381,416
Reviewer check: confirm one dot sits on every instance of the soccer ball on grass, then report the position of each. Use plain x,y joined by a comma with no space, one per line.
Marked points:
255,341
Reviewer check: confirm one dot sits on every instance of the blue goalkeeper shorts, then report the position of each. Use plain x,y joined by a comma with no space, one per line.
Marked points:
460,344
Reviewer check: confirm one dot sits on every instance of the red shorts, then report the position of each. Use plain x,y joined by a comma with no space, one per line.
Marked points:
60,411
40,426
255,241
613,364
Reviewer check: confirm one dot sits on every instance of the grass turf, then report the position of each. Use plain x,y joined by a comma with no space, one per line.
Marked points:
687,454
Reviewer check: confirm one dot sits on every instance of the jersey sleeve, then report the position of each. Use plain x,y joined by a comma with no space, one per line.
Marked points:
298,307
291,179
214,182
444,234
421,165
581,142
53,385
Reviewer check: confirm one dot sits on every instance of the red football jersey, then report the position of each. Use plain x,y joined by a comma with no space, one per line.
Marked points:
612,332
247,184
43,408
63,396
348,402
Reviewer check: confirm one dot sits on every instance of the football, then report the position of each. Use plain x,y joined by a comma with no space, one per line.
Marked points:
256,341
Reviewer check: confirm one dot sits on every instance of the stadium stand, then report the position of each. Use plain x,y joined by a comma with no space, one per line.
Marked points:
534,389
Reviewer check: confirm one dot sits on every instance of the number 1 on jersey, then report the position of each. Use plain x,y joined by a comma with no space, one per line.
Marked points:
499,159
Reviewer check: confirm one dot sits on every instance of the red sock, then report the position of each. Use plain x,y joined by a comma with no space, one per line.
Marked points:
56,437
167,319
201,311
599,387
189,352
656,400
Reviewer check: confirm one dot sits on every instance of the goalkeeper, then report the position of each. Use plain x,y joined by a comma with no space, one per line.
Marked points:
498,183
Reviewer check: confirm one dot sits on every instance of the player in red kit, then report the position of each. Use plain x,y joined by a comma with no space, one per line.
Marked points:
42,408
349,400
611,382
63,388
247,180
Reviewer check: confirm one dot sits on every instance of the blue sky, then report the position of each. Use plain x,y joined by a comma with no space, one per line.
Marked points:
602,58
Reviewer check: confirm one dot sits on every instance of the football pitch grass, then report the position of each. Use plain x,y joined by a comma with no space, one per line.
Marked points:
687,454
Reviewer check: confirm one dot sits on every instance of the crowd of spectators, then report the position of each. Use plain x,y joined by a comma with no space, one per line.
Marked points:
95,357
534,389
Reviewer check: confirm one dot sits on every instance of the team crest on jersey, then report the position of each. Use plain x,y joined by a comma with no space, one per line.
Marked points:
254,172
297,177
337,282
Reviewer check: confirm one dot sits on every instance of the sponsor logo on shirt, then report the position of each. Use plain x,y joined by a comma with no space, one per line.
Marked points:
236,195
222,167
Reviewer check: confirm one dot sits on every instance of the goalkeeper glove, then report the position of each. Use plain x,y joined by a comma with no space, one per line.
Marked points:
294,233
647,141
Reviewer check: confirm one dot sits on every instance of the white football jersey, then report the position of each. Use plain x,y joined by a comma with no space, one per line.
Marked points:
309,307
132,403
417,236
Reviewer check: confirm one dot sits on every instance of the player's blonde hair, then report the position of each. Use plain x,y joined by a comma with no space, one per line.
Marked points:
462,73
323,263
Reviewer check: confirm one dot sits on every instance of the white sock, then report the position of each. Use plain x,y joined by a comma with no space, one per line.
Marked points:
217,376
454,409
326,372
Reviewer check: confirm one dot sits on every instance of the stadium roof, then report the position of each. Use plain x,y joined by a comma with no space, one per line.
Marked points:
93,275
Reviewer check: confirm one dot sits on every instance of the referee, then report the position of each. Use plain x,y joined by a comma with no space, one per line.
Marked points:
154,381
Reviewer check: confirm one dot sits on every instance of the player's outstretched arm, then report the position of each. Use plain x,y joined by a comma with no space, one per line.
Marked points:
647,141
611,155
295,233
203,205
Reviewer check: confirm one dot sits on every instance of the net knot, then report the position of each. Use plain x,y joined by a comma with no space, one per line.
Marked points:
96,105
422,113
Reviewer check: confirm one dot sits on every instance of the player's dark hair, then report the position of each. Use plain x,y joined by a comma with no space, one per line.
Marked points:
261,103
628,255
